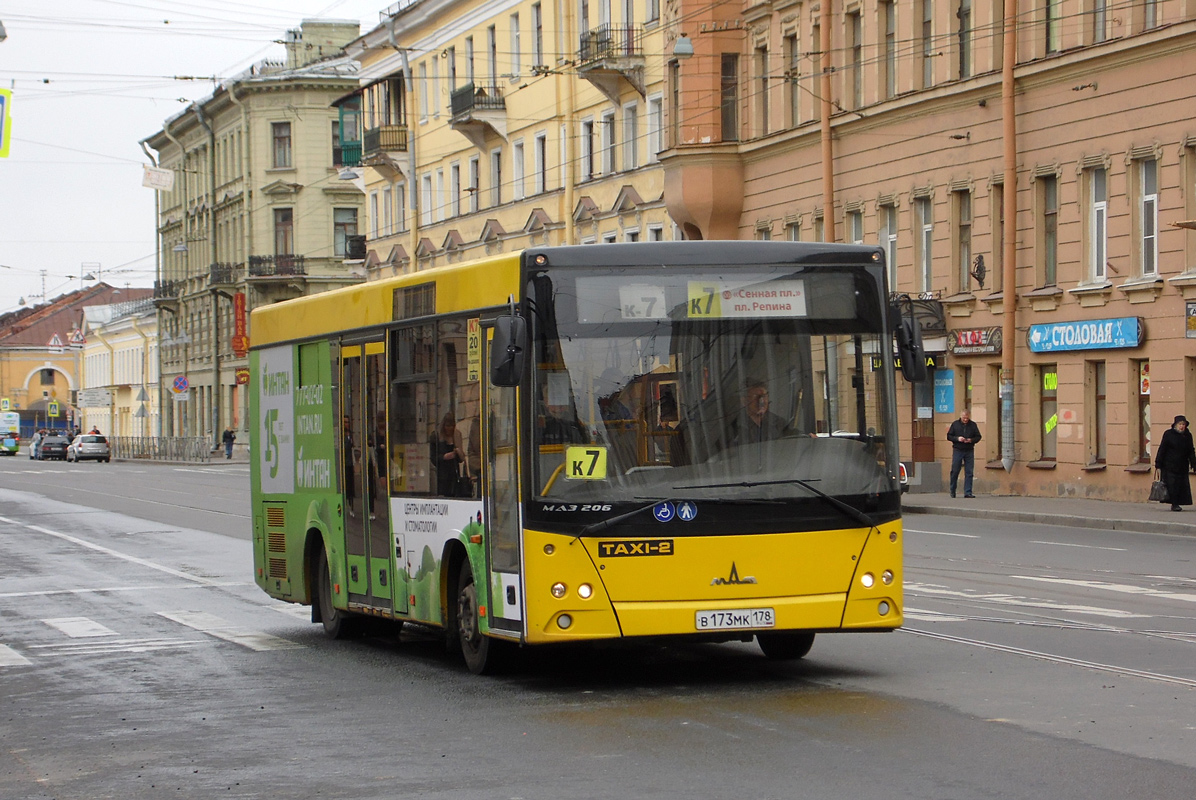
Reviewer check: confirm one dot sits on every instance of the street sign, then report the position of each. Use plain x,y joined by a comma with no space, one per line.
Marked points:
181,384
95,398
5,405
52,410
182,396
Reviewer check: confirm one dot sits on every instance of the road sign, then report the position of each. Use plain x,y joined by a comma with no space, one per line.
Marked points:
181,384
95,398
52,410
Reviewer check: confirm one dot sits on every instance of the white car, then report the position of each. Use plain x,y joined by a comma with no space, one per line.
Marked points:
89,447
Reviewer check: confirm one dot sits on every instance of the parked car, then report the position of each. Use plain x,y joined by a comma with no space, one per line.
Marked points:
53,447
89,446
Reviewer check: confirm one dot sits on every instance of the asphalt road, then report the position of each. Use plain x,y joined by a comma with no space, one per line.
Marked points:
138,660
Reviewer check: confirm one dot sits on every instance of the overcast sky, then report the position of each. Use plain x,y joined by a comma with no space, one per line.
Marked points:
90,79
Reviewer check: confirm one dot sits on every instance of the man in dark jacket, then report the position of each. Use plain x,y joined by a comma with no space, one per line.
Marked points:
1173,459
963,435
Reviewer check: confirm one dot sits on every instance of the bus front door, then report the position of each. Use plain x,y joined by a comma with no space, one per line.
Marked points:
364,469
500,488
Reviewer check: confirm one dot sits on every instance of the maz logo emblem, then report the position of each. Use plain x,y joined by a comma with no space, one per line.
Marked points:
733,579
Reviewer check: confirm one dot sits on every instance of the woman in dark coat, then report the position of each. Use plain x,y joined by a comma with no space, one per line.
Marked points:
1173,459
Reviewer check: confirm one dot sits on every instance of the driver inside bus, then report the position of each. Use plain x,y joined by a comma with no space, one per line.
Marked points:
756,423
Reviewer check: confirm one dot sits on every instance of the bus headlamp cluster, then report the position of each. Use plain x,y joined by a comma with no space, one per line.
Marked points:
869,580
585,591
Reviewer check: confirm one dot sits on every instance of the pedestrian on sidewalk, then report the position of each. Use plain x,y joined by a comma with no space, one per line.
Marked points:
963,435
228,438
1173,459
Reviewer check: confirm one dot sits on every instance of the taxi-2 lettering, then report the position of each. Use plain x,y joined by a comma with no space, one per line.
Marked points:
642,547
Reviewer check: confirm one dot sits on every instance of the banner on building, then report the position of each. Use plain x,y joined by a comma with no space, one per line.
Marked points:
157,178
974,341
240,341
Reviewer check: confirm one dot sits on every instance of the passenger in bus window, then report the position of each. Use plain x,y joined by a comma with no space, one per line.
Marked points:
347,456
448,453
609,390
561,426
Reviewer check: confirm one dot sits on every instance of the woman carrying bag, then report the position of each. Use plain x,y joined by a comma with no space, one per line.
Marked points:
1173,459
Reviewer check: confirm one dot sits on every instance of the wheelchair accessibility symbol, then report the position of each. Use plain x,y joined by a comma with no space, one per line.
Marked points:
664,512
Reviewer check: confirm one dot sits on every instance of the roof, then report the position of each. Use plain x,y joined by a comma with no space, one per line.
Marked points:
37,327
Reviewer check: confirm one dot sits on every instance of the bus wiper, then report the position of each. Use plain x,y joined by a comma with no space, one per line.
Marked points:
847,509
595,527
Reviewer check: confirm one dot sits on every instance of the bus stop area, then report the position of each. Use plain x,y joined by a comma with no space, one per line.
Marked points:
1072,512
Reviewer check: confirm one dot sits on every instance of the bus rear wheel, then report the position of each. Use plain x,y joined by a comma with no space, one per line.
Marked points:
337,624
786,646
482,654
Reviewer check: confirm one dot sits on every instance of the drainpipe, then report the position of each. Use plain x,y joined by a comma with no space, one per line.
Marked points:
570,132
412,183
158,278
1009,263
217,388
828,154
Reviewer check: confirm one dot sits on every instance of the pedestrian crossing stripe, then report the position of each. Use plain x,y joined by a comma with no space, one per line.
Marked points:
222,629
11,658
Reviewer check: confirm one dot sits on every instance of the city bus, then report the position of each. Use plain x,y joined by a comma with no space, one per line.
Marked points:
682,440
10,433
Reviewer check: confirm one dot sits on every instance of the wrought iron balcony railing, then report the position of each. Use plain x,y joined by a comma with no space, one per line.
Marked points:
348,154
385,138
611,41
476,97
222,274
269,266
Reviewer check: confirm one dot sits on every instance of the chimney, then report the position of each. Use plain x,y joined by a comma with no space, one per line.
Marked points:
316,39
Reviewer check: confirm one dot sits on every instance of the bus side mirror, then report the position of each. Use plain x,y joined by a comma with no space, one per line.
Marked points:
507,350
909,348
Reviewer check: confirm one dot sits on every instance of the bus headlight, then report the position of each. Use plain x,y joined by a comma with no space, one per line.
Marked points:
584,591
886,577
867,580
558,590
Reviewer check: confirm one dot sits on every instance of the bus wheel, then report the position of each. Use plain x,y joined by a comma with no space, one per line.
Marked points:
785,646
480,651
337,624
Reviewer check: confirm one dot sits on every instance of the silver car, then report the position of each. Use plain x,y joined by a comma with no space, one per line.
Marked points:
89,446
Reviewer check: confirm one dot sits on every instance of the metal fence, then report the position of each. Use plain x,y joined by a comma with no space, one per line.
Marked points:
195,449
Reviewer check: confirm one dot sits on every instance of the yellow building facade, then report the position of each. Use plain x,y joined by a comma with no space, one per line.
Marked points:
120,392
489,127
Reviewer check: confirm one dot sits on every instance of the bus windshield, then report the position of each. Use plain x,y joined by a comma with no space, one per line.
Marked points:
713,384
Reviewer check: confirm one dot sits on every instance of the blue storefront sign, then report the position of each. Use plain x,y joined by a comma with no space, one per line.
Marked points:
944,391
1092,334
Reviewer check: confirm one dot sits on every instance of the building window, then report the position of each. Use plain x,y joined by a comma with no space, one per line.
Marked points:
819,228
516,45
438,198
451,57
475,179
632,235
470,72
855,227
1148,216
631,135
762,90
888,241
888,49
425,199
1048,394
655,233
764,234
655,126
1094,380
424,91
492,54
855,30
540,158
962,213
1098,214
1047,190
925,223
996,216
926,50
46,377
400,194
344,225
793,231
496,177
281,132
375,230
792,54
1053,11
729,91
675,99
587,149
1100,21
653,10
284,232
387,213
537,35
1150,14
517,168
337,157
609,143
963,14
1141,372
455,190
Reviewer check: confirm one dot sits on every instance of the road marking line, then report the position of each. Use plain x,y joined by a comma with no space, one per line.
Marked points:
11,658
109,551
222,629
1021,602
1085,546
104,589
924,615
1073,662
79,627
1112,587
941,533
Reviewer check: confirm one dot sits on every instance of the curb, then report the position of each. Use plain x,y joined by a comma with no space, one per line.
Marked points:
1063,520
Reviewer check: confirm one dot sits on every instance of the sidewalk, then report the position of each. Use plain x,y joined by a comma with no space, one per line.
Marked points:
1068,511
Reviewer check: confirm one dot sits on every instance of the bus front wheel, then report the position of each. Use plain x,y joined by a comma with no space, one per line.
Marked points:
482,654
337,624
785,646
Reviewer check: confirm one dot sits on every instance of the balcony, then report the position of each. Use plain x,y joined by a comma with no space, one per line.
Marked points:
348,154
284,266
477,107
224,275
383,139
166,295
609,53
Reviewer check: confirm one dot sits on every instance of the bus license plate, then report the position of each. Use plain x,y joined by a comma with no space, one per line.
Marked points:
732,619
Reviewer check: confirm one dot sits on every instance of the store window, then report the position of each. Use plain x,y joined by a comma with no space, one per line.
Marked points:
1048,394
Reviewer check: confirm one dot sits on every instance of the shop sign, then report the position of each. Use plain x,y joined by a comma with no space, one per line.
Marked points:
1093,334
932,362
240,341
1191,330
242,376
974,341
944,391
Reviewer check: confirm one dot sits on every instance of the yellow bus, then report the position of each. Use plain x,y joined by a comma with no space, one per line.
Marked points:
695,440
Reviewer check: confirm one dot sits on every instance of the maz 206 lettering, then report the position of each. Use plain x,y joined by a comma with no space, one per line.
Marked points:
575,507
